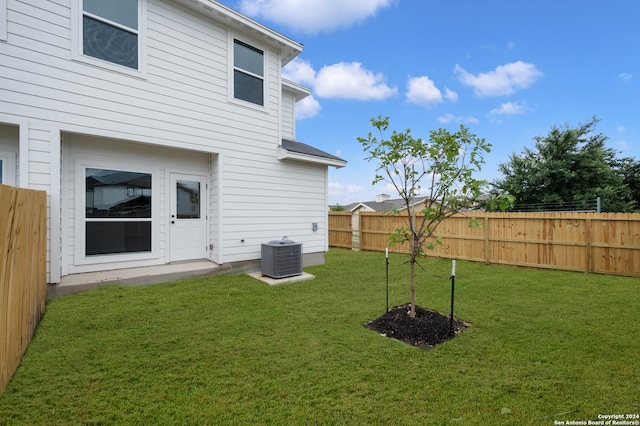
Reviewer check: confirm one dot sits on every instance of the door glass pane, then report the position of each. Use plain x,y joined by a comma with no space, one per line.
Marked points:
123,12
117,237
187,199
1,170
248,58
106,42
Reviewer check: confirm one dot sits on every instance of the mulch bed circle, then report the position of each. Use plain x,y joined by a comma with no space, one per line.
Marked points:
428,329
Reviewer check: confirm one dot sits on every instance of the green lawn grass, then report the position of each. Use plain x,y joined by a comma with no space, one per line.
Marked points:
232,350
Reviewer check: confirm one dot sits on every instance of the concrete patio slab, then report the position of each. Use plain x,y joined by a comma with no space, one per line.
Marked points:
277,281
145,275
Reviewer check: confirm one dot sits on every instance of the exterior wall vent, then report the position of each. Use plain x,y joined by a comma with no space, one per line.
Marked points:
281,258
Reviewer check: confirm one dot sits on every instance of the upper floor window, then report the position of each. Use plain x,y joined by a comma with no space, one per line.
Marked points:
248,73
111,31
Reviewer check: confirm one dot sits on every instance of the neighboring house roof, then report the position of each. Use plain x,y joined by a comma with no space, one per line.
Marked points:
382,206
294,150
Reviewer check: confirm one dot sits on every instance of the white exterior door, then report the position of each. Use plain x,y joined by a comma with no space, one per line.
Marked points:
188,219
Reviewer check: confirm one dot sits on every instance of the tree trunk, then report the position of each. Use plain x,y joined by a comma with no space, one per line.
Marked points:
412,277
414,252
412,313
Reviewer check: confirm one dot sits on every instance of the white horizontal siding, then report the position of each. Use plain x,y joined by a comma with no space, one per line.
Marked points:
183,103
61,90
289,196
288,116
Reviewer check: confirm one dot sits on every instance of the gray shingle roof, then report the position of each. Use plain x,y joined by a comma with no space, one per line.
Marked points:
385,206
303,148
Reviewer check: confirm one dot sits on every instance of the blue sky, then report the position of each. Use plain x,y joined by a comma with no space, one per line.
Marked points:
507,69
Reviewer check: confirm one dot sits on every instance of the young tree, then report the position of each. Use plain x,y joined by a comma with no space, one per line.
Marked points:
443,166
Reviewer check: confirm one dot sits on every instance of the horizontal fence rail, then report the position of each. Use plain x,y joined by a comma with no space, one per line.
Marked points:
23,285
607,243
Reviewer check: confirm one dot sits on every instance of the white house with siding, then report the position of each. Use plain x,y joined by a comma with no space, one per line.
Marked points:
161,130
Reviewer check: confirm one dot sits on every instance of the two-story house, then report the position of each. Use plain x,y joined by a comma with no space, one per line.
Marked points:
161,130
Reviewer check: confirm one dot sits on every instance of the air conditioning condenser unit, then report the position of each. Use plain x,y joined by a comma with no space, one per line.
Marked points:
281,258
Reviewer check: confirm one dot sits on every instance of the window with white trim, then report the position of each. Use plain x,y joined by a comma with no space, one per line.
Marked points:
3,20
111,32
118,212
7,168
248,73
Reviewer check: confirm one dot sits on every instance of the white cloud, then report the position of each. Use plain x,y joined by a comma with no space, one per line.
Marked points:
348,193
351,81
450,95
422,91
510,108
299,71
504,80
621,129
625,76
307,108
313,16
342,80
450,118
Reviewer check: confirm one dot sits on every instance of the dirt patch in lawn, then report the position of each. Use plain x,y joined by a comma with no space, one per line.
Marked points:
428,329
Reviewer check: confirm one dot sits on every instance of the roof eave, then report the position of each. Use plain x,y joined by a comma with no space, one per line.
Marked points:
299,92
283,154
289,48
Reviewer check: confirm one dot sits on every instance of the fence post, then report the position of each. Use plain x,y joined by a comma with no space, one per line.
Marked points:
360,233
587,248
487,247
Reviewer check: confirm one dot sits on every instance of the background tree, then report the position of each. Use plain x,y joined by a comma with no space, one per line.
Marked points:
569,165
629,169
443,166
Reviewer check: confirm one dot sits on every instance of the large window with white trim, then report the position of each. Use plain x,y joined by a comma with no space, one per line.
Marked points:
118,213
111,32
248,73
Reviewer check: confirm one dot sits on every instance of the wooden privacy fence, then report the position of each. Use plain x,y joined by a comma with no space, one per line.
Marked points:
23,287
340,229
607,243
